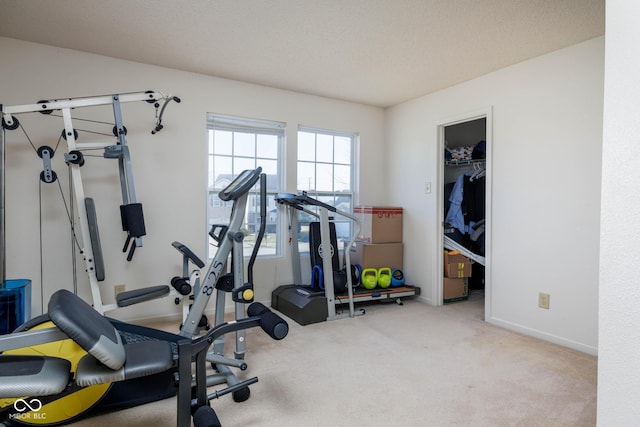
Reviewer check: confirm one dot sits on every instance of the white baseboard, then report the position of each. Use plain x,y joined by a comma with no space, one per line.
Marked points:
544,336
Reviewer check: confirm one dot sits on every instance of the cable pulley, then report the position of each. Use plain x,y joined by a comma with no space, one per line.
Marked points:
12,124
47,175
45,151
64,134
151,99
75,157
45,102
115,130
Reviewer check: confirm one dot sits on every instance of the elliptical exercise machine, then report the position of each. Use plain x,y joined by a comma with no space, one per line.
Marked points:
56,347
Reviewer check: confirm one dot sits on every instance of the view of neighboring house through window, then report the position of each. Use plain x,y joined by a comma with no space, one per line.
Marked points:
236,144
325,171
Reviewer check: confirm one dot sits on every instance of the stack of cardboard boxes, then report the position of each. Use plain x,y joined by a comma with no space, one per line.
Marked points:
457,270
379,242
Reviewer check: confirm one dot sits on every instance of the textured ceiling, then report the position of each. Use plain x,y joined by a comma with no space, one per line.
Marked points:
376,52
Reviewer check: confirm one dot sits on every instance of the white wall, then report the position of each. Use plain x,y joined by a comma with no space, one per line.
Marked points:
545,178
547,125
619,345
169,168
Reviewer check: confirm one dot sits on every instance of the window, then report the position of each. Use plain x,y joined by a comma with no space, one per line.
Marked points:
326,172
236,144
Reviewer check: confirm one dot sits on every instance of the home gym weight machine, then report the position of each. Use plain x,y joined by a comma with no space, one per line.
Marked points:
130,210
133,223
300,302
102,387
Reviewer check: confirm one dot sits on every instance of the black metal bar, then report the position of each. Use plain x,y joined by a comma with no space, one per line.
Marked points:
263,226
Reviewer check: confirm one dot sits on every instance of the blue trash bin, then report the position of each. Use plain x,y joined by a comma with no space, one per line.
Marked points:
15,304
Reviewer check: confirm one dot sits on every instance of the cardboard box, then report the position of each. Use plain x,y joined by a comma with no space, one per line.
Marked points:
456,266
379,224
377,255
454,290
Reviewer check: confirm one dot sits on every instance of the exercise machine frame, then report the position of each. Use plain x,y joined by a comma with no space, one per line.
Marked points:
305,305
297,202
237,192
91,250
108,360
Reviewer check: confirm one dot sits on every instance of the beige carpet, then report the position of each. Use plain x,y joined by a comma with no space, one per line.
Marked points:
410,365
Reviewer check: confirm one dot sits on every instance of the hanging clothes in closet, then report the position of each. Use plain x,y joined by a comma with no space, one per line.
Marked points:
465,212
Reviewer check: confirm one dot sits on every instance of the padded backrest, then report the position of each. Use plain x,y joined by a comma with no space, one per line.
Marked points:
90,330
94,236
315,242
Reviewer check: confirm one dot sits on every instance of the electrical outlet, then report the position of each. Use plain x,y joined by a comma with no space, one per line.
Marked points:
118,289
543,300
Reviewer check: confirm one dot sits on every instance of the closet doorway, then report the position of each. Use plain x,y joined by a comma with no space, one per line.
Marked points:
465,206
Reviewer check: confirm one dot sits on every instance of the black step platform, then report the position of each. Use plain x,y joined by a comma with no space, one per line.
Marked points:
306,306
300,303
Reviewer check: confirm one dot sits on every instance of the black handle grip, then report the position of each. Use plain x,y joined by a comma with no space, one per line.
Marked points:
132,249
185,251
217,232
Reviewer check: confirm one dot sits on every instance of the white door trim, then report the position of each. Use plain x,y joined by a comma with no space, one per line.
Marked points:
437,278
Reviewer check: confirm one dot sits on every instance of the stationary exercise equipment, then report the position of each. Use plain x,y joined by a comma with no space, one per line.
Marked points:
306,304
301,302
233,284
38,389
183,284
108,392
131,213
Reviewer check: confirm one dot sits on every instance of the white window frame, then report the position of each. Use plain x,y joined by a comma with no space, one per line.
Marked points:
325,196
271,244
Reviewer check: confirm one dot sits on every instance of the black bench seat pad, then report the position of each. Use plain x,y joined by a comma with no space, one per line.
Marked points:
125,299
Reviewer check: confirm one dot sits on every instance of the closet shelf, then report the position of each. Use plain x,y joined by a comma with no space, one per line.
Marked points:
463,162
